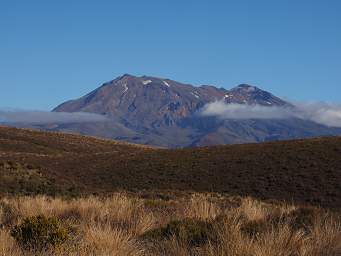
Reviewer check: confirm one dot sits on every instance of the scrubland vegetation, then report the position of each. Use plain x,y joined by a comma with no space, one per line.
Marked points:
197,224
57,164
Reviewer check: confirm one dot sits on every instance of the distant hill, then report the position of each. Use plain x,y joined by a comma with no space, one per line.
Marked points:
303,171
163,112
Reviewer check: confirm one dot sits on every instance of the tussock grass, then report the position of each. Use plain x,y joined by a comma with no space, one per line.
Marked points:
107,240
201,207
122,225
7,244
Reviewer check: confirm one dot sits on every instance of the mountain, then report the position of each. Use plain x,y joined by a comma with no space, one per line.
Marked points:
300,171
163,112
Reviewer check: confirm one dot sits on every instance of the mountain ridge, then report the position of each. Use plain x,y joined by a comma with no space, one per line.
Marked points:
219,94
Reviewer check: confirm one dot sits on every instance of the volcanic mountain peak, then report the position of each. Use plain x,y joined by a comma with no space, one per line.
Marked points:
249,94
245,87
134,82
163,112
149,82
127,75
154,102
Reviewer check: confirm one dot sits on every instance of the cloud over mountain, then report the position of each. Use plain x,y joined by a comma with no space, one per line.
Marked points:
23,116
243,111
322,113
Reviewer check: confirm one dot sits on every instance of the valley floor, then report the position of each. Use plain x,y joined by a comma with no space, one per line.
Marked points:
192,224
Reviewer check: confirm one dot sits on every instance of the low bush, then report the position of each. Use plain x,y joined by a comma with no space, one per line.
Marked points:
40,233
298,219
255,228
192,231
303,218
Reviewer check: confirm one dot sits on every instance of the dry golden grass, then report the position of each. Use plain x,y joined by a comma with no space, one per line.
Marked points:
116,226
7,244
106,240
201,208
253,210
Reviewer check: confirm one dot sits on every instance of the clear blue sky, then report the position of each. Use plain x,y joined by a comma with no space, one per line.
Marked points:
52,51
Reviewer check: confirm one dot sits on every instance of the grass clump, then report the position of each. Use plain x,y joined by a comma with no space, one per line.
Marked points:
191,231
40,233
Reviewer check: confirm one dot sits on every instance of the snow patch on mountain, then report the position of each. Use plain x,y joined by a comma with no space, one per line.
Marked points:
125,88
165,83
146,82
195,95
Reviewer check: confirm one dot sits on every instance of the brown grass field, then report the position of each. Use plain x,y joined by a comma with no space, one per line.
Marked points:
203,224
113,198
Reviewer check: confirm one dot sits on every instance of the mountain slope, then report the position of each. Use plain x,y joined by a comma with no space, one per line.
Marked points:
144,101
302,171
163,112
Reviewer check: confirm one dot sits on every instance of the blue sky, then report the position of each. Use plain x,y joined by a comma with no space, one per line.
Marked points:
52,51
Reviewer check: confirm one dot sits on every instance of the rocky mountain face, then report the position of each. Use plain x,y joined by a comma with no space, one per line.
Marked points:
144,102
163,112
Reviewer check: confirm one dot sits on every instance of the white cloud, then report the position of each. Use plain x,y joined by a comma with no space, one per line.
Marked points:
319,112
322,113
243,111
23,116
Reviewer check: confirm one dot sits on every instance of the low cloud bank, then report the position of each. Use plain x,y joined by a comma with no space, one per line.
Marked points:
242,111
42,117
322,113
